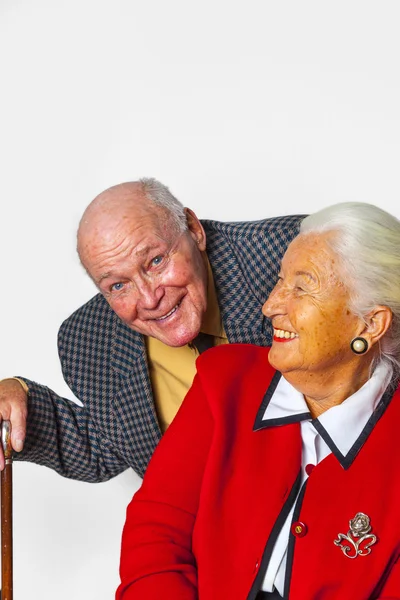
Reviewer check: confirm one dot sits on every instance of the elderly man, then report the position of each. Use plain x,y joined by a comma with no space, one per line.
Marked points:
170,285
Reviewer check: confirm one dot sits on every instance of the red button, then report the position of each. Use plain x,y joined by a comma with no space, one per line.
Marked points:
298,529
309,469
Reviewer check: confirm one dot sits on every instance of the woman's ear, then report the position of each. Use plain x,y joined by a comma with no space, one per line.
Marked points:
196,229
377,322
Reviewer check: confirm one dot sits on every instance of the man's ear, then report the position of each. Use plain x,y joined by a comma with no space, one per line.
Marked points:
377,322
196,229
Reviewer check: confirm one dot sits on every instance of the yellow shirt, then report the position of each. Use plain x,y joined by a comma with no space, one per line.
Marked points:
172,369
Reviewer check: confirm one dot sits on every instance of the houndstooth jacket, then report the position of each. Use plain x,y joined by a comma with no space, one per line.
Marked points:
105,364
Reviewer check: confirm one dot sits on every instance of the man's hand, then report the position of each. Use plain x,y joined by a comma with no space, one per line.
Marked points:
14,408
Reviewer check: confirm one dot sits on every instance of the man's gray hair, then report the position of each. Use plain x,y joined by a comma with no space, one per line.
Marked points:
159,194
368,246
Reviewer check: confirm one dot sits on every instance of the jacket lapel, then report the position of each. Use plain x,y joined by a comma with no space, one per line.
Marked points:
133,401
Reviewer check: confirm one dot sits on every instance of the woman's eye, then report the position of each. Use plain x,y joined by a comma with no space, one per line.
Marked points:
117,287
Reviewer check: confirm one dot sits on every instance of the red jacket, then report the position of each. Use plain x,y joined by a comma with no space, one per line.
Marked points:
218,489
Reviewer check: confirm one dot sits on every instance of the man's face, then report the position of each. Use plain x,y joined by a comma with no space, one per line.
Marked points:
154,278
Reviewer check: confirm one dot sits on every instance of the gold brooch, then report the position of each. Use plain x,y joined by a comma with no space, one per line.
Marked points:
359,528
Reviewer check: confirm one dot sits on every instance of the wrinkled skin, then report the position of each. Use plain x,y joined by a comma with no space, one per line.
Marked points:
153,277
311,302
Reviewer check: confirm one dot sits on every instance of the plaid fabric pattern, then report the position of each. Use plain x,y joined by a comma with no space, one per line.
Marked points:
105,365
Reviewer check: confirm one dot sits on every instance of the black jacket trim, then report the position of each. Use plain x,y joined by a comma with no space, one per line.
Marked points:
255,588
284,421
292,541
347,460
260,423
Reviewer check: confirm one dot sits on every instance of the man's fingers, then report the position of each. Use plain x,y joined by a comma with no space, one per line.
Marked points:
18,428
13,407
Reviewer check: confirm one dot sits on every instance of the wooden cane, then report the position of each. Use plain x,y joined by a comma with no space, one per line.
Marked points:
6,515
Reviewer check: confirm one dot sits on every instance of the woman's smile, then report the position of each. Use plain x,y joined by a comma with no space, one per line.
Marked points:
282,335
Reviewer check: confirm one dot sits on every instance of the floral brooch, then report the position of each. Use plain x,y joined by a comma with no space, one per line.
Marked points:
358,540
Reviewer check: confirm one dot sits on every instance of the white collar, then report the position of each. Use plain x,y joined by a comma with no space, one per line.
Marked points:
344,427
344,423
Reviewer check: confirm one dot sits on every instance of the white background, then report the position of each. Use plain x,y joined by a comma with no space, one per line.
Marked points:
245,109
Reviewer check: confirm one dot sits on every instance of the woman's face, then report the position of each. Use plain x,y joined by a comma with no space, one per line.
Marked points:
308,307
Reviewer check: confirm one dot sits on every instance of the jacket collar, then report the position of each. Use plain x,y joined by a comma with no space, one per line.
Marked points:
344,428
281,405
237,293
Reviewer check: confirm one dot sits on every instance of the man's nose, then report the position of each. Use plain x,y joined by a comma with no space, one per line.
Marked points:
149,294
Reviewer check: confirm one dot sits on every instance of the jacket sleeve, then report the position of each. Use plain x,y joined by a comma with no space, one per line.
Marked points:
62,436
391,587
156,554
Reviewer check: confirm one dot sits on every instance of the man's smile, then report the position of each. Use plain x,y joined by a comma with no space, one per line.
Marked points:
168,314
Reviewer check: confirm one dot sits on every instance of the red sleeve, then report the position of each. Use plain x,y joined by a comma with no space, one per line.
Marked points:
391,588
156,556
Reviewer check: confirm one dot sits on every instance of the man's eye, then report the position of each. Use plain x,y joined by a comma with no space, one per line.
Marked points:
117,287
157,260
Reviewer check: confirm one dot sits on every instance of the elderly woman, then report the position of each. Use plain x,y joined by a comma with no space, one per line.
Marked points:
280,475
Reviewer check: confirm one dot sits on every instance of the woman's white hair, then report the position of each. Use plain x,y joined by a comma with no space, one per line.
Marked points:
368,246
159,194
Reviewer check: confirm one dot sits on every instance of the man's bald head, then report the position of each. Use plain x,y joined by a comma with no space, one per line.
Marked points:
128,201
146,254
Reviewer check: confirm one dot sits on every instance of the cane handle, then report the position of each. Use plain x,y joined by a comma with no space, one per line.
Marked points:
6,439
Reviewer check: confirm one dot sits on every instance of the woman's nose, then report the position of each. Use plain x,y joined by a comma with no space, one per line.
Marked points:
274,304
266,308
